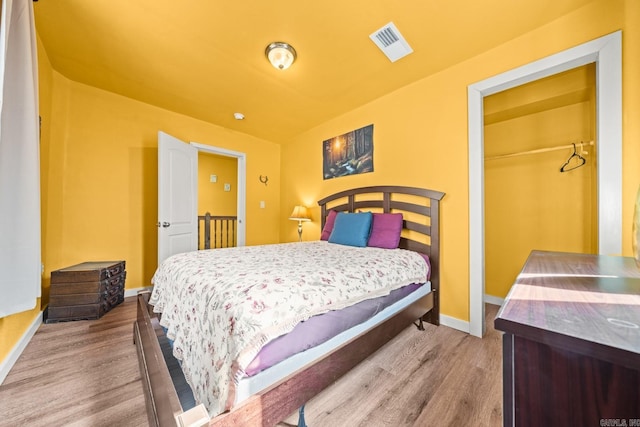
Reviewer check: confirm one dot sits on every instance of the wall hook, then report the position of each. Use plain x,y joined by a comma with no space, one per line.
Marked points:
265,180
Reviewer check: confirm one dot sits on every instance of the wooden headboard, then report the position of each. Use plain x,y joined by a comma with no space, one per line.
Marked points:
420,208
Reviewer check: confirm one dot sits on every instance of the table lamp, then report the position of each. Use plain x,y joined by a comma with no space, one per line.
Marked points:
299,214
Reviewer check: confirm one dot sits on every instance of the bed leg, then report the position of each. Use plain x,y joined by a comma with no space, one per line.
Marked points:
301,422
419,325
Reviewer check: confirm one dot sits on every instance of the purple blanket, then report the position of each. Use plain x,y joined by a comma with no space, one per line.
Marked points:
321,328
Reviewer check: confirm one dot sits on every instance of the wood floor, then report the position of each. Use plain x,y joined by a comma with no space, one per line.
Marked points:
85,373
82,373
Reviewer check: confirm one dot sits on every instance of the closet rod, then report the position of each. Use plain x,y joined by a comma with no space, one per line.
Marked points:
541,150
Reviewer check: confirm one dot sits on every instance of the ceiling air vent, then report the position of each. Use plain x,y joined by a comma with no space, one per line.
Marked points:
391,42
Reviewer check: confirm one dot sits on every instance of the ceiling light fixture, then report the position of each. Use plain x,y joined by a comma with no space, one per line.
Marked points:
281,55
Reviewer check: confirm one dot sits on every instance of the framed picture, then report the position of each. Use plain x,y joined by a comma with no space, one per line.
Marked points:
348,154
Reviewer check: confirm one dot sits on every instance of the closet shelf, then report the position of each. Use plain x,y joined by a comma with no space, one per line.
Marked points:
541,150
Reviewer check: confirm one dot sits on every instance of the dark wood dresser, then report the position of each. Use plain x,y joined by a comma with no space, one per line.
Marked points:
571,344
85,291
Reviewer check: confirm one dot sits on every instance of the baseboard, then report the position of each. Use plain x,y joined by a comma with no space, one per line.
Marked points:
135,291
18,348
463,325
454,323
490,299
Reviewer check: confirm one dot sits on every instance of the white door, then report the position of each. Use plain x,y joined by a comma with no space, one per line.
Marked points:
177,197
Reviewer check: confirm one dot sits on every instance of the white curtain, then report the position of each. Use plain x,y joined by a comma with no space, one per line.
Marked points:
20,254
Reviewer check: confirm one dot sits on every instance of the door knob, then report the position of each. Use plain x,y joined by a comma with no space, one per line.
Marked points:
165,224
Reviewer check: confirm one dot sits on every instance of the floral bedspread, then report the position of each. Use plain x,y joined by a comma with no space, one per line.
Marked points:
221,306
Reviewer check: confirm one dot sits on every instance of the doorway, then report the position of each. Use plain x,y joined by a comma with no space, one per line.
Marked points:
532,199
606,54
241,193
217,200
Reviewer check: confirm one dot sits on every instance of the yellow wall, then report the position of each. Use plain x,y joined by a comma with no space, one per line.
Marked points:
630,117
529,203
106,178
420,135
211,195
213,198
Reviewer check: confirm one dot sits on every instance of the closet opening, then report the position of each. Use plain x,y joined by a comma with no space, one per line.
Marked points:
540,173
606,54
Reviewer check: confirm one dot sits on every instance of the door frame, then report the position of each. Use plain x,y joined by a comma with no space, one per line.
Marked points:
606,53
242,184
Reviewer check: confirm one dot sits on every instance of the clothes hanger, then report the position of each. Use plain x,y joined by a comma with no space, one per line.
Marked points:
581,161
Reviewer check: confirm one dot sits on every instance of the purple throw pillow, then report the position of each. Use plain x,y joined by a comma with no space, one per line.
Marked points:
385,230
328,225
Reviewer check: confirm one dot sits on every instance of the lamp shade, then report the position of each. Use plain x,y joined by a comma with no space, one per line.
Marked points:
281,55
300,213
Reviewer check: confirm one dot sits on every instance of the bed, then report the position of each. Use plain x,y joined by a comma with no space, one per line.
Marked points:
298,378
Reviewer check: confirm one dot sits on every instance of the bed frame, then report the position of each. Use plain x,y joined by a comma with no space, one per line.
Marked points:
420,208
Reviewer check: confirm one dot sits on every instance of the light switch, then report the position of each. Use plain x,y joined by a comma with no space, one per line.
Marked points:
227,187
261,204
213,178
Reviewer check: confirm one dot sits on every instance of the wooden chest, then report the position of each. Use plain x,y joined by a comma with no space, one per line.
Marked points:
85,291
